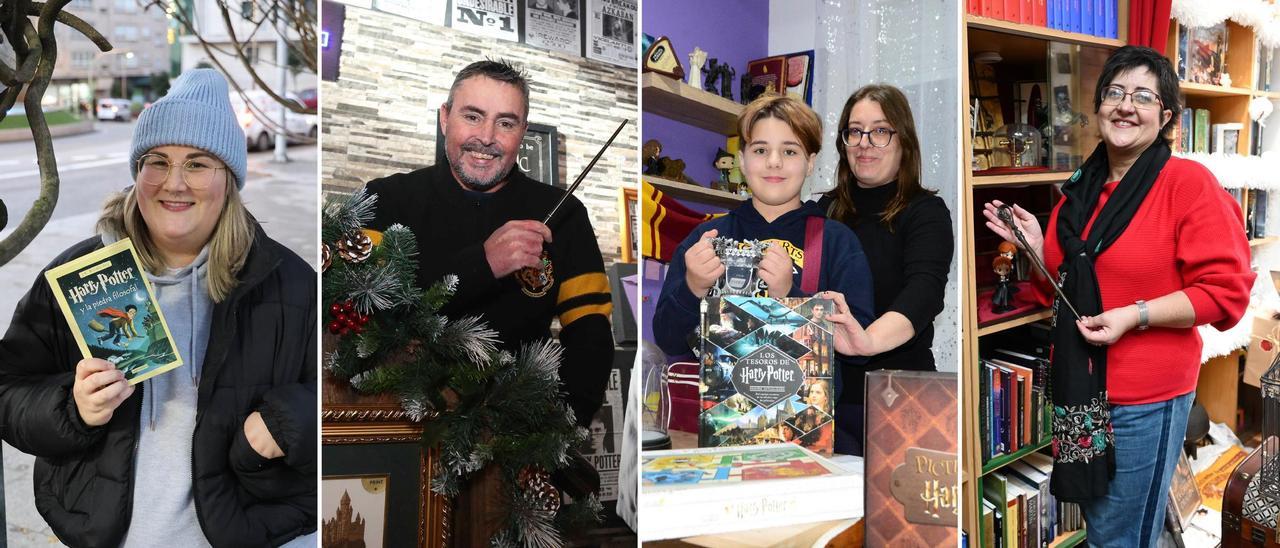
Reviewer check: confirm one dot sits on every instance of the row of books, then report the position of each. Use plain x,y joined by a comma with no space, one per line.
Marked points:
1092,17
1255,214
1197,134
1018,511
1013,404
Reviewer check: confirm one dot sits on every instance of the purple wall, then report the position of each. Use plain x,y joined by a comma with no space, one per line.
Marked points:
732,31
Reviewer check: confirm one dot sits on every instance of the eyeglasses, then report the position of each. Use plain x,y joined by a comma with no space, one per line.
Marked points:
1142,98
879,137
198,173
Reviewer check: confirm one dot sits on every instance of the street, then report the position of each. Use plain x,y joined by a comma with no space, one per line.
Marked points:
283,197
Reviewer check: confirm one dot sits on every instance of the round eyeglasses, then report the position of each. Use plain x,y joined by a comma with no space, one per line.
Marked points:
879,137
1142,98
198,173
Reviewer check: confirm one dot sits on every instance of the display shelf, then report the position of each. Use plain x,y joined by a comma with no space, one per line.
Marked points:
1192,89
676,100
1045,177
1015,322
695,193
1043,33
1070,538
999,461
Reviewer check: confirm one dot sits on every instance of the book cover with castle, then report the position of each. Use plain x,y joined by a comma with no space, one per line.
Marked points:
112,312
767,371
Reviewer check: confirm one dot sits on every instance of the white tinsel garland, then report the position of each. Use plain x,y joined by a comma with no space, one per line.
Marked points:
1237,171
1262,17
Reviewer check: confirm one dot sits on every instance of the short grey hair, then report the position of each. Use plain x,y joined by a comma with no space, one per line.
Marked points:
500,70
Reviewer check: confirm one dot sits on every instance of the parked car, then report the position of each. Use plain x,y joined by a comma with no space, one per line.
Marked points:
309,97
114,109
260,136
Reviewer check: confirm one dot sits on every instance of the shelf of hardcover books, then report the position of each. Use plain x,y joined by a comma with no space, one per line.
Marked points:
1216,102
1030,102
1101,22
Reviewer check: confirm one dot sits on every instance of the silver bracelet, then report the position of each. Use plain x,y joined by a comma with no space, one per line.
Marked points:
1143,316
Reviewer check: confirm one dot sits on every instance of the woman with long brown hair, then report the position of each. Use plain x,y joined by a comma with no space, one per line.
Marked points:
905,231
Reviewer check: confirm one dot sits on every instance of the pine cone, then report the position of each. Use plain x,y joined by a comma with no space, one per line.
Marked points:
326,257
537,482
355,248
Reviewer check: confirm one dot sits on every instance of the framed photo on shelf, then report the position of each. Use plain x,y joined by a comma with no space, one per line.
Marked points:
355,510
1226,138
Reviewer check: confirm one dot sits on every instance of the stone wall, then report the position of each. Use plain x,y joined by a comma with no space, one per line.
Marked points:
380,117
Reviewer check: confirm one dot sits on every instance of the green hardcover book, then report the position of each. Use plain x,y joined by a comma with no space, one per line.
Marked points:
112,311
1202,130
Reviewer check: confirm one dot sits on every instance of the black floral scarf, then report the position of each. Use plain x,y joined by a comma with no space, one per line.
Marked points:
1084,459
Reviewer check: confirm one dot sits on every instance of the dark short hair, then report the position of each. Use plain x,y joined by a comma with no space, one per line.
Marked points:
130,307
500,70
1131,57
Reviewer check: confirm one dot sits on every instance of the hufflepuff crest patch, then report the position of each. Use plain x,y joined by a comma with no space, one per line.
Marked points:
535,282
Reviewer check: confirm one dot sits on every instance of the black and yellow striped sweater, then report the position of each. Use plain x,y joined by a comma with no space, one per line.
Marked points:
451,225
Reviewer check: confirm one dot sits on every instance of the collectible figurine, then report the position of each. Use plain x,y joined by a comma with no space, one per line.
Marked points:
735,174
652,157
1002,299
713,74
726,81
697,58
741,259
1007,249
724,163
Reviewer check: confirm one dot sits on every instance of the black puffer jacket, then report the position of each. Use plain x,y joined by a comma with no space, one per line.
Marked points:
261,357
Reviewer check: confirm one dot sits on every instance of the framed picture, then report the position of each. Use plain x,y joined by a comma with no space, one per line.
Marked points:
538,157
629,211
1226,138
355,510
372,437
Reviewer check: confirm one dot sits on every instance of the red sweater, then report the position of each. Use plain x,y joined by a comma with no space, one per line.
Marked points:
1187,235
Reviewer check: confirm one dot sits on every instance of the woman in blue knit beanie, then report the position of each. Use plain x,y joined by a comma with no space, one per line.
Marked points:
221,451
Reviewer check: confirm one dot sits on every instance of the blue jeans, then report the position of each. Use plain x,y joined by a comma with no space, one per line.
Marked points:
1148,439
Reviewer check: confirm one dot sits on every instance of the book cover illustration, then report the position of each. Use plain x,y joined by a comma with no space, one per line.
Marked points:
767,368
912,466
1206,50
112,312
729,466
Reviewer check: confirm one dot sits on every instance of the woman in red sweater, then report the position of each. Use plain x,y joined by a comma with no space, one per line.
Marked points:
1145,247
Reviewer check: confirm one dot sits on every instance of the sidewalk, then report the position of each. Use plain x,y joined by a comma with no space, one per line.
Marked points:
283,197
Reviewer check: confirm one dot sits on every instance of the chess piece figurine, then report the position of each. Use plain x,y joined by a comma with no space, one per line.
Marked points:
713,74
1002,298
726,81
697,58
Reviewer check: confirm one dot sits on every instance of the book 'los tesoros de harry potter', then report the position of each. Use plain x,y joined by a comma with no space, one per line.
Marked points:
767,373
113,315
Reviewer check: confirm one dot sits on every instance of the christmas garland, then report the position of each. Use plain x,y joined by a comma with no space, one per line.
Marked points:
486,407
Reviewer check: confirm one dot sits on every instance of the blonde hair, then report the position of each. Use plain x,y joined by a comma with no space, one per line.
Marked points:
802,120
228,245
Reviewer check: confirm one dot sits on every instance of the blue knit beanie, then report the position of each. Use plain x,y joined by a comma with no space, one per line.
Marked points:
195,113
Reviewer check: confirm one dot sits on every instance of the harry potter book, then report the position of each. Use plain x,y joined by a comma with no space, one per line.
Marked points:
912,467
112,312
767,373
717,490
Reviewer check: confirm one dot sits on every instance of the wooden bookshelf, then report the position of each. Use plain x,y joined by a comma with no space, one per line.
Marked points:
696,193
1041,178
1020,47
997,462
1030,317
1192,89
1068,539
1044,33
676,100
1256,242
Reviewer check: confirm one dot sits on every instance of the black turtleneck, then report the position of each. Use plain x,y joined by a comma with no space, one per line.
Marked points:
909,266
